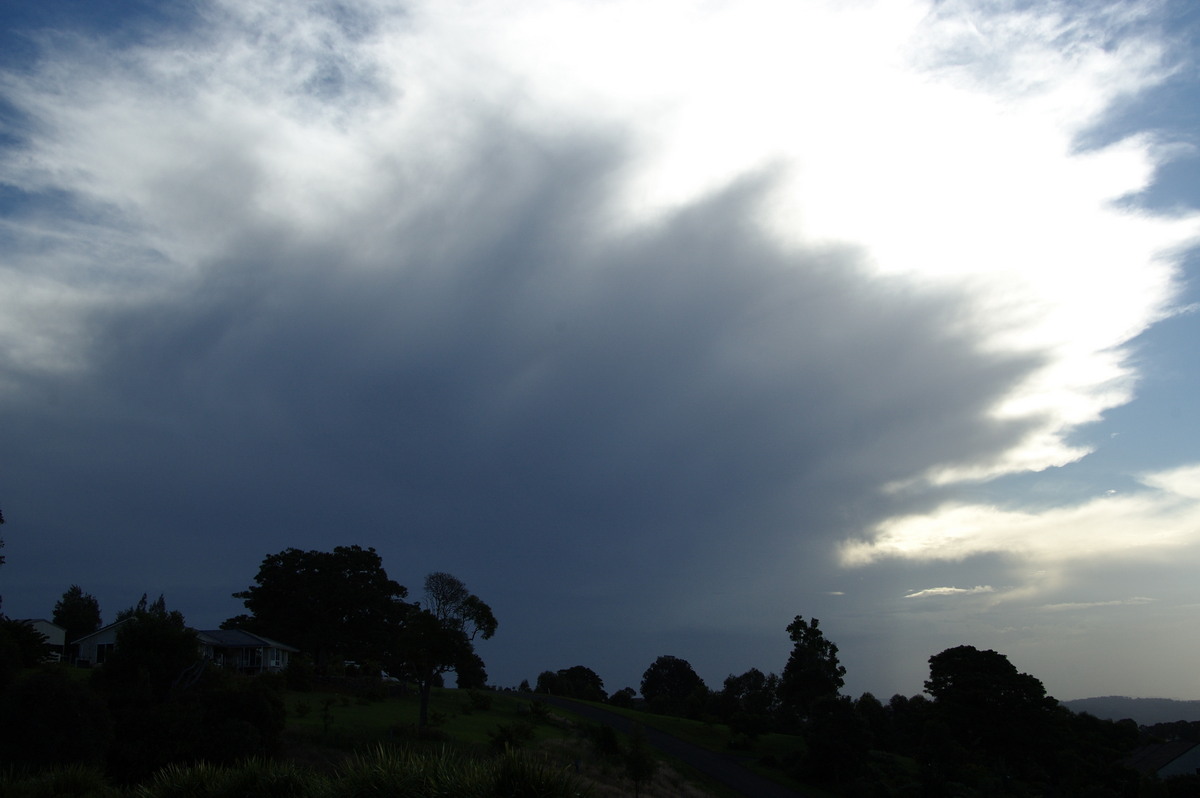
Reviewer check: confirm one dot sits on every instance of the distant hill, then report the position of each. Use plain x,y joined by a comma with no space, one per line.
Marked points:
1145,711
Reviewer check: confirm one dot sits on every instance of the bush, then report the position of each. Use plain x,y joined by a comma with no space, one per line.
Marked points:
49,719
479,700
510,736
301,674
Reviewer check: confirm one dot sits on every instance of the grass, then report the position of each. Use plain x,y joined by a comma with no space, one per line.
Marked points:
337,737
348,724
715,737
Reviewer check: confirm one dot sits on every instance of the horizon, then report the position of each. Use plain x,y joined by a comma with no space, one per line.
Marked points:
658,325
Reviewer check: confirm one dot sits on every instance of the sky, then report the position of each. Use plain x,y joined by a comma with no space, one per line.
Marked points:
657,323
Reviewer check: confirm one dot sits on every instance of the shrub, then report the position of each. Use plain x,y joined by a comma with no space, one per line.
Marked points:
49,719
509,736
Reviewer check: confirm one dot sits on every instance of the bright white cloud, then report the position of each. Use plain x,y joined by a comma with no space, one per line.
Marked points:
1145,525
950,591
938,138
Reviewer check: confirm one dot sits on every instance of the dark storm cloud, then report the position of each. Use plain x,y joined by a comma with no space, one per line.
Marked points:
490,386
294,277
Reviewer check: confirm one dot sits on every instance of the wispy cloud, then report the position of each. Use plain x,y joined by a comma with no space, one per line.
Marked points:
1133,601
950,591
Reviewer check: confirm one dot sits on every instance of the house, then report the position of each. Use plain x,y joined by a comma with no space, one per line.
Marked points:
237,649
94,648
1174,758
244,651
56,636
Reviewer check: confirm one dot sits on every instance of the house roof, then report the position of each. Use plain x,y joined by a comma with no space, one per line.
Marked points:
1150,759
41,620
240,638
101,629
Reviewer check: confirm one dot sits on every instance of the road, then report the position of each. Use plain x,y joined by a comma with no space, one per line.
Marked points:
720,767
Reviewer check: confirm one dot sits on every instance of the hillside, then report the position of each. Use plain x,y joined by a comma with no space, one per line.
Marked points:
1145,711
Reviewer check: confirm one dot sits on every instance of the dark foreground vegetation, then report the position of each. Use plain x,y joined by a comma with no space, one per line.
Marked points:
361,710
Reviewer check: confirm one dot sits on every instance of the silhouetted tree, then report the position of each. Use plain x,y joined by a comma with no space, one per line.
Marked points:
458,608
812,671
154,650
155,658
670,684
838,740
1002,718
78,613
748,702
623,697
470,672
334,605
574,682
428,649
21,646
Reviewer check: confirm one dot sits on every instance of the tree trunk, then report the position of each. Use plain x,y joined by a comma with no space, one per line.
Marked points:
426,686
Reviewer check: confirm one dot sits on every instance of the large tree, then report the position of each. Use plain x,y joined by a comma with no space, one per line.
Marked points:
333,605
670,685
78,613
987,702
574,682
439,638
448,598
812,672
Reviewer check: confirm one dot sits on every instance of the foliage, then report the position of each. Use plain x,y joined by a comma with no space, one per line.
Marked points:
987,703
332,605
623,697
576,682
21,646
469,672
51,719
432,641
430,649
77,612
253,777
812,671
749,702
77,781
154,650
638,760
510,736
670,685
458,608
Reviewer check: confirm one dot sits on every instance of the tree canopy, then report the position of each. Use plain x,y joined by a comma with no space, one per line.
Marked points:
812,671
669,683
574,682
333,605
438,639
77,612
458,608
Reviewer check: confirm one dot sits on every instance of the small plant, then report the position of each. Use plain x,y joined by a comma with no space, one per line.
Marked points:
479,700
510,736
604,740
302,709
327,714
640,763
